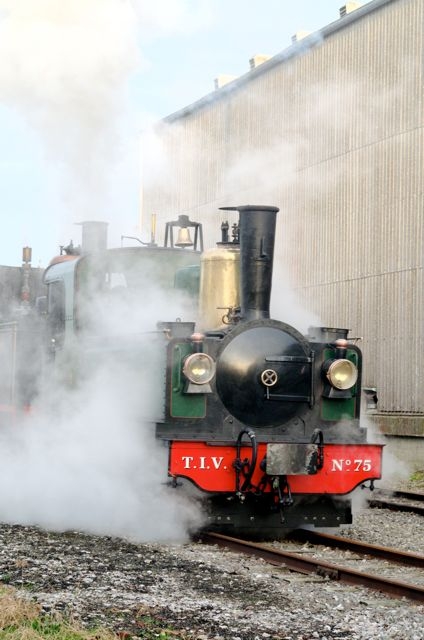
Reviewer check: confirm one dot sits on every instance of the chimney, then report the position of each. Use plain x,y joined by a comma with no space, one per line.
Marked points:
299,35
94,236
349,7
222,80
257,237
257,60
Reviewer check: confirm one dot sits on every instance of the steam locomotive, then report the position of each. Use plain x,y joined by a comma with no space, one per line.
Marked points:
261,422
262,419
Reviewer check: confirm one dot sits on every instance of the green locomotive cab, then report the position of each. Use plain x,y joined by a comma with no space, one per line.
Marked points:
102,307
81,291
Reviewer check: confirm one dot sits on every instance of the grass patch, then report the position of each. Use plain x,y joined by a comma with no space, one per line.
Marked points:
24,620
15,612
417,478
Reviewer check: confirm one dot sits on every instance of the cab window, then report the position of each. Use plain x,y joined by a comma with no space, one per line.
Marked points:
56,311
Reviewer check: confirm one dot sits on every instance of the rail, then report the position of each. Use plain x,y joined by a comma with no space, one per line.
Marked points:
302,564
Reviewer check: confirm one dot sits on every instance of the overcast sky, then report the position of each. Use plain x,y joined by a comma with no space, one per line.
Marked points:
79,79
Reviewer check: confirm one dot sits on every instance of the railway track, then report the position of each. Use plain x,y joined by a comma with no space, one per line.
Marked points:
398,501
361,548
306,564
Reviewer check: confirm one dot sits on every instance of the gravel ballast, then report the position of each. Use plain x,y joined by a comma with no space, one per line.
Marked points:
206,593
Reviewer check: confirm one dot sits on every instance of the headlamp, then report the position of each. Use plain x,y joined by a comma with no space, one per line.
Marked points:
341,373
199,368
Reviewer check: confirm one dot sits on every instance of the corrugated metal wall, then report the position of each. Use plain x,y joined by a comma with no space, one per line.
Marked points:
332,133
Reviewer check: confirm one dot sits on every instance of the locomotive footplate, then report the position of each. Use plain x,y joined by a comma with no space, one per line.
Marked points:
264,521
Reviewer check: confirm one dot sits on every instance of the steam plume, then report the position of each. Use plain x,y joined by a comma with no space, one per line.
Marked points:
87,459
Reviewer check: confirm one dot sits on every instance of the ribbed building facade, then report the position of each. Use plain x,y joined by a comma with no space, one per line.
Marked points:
331,131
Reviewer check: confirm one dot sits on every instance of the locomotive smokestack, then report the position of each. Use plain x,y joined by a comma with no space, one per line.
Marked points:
94,236
257,238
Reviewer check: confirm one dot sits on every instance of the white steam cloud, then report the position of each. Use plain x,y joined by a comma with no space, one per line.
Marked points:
87,458
67,67
90,460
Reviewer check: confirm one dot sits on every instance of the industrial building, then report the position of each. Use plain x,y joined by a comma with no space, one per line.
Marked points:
331,131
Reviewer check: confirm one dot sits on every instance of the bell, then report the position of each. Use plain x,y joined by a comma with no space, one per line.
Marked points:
184,239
